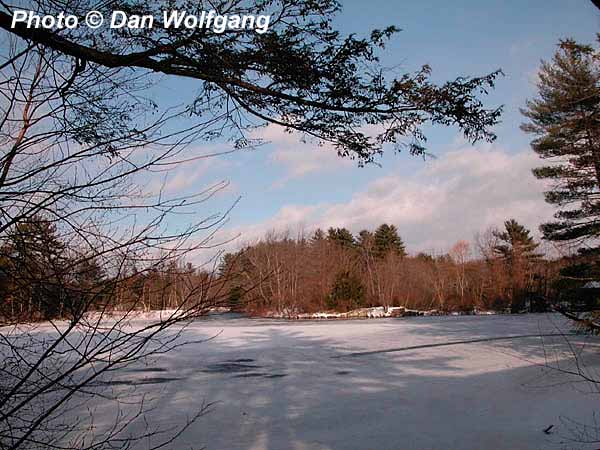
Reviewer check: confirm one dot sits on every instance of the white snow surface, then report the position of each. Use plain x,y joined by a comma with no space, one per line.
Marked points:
352,384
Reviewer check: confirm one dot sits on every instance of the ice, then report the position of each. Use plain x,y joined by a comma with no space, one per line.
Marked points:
361,384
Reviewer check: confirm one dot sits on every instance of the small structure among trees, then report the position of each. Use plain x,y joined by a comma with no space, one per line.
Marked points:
589,295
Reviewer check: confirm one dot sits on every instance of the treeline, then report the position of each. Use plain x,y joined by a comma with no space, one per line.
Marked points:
43,276
503,270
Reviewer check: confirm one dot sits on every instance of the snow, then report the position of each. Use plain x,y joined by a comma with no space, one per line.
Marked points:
162,314
348,384
375,312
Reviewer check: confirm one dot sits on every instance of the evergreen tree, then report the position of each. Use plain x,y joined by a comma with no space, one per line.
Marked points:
518,250
348,292
227,265
566,120
85,285
516,243
35,268
573,277
232,267
387,240
235,297
365,240
35,242
341,236
426,257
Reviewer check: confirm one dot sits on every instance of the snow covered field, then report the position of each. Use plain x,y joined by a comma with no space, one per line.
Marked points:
345,385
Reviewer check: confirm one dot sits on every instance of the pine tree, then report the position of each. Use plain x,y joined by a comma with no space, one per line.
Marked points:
387,240
35,241
341,236
365,241
232,267
35,267
318,236
518,250
347,292
227,264
87,286
517,244
566,120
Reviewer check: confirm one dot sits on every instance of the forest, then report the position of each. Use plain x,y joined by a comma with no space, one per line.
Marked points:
62,255
502,270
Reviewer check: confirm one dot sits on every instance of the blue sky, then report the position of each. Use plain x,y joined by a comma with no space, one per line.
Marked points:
287,184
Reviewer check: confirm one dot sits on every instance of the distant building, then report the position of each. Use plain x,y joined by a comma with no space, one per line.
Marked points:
589,295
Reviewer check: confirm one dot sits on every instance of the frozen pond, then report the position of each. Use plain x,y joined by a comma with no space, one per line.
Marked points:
342,385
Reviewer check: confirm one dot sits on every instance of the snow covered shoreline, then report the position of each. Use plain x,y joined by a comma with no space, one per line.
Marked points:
345,385
376,312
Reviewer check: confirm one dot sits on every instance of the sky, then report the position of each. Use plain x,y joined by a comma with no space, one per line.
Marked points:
290,185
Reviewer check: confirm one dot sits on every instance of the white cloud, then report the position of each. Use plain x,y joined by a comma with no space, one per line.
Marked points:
301,159
450,198
297,158
199,172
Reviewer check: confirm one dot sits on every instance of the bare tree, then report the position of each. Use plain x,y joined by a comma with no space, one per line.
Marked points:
79,142
76,141
460,254
301,74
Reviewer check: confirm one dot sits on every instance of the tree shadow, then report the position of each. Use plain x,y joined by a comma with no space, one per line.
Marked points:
278,385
